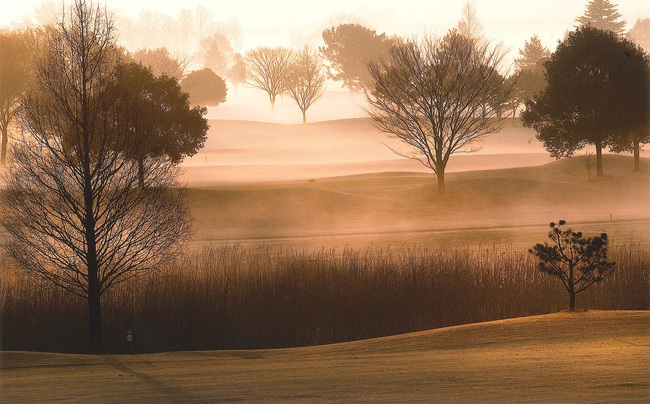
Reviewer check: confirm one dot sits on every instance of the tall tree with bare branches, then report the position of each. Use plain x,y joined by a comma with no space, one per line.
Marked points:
15,67
469,24
306,82
73,206
438,96
268,69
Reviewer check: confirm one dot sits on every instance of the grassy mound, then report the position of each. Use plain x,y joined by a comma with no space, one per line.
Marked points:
588,356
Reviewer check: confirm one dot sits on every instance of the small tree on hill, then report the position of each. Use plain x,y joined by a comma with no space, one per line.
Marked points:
530,69
306,82
438,96
268,70
590,163
577,261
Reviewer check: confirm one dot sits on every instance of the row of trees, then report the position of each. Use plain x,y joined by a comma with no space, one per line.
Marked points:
302,74
280,70
596,93
440,96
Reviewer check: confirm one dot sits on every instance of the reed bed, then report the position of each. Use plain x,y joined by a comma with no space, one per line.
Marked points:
230,297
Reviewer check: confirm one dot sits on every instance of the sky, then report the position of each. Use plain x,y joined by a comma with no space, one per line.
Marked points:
273,22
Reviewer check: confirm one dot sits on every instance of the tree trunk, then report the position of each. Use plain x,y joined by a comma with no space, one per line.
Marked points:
304,117
637,166
572,301
5,138
441,182
94,312
272,99
571,288
94,315
141,172
599,160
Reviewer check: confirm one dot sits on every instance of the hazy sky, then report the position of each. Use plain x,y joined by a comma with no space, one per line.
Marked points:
273,22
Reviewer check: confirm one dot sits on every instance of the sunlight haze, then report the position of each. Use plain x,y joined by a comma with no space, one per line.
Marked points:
274,22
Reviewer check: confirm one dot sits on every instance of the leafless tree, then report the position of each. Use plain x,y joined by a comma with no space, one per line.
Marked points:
73,207
232,30
306,82
469,24
268,69
438,96
15,71
590,163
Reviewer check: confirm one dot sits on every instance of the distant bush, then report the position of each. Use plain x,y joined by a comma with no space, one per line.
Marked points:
236,298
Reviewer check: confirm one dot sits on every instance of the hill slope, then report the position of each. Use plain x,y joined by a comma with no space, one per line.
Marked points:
504,206
564,357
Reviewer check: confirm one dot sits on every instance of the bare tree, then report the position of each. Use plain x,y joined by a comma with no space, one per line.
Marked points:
203,22
469,24
590,163
72,206
438,96
232,30
15,66
306,82
268,69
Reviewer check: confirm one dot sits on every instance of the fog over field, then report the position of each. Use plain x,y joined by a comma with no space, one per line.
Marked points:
249,143
336,182
302,252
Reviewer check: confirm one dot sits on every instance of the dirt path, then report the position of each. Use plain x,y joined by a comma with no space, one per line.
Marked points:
567,357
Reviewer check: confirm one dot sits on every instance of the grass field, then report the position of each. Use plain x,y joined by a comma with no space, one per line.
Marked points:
330,187
336,183
504,206
587,356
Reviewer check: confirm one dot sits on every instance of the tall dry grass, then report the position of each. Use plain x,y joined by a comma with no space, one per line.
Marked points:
235,298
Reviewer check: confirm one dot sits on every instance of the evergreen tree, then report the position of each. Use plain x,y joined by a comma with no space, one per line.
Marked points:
532,56
602,14
529,70
577,261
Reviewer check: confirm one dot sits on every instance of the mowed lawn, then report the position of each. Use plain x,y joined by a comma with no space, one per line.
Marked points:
585,356
337,183
501,206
